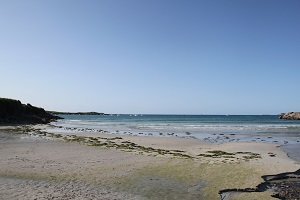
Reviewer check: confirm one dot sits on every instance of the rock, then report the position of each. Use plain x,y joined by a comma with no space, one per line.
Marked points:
14,112
290,116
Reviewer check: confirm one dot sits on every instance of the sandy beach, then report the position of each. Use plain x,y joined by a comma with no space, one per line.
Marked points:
149,100
39,164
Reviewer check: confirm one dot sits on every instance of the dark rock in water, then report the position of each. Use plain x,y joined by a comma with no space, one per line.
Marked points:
285,186
290,116
14,112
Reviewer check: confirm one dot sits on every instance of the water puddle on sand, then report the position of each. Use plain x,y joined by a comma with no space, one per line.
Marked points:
155,187
292,151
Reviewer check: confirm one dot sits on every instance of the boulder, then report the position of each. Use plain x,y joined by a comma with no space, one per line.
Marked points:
290,116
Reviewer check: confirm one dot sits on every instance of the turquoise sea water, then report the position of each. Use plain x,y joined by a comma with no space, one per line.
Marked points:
212,128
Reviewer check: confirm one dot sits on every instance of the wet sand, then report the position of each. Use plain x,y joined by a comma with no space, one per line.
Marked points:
37,165
292,151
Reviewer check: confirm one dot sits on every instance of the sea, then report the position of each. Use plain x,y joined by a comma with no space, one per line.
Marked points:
211,128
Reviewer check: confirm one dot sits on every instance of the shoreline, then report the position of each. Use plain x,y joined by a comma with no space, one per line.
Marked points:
201,169
281,132
290,149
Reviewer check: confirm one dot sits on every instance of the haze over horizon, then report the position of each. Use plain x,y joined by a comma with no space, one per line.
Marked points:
152,57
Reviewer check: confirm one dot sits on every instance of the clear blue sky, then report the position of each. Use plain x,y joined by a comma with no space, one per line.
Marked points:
152,56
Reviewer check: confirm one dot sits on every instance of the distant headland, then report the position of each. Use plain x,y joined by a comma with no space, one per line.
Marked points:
14,112
76,113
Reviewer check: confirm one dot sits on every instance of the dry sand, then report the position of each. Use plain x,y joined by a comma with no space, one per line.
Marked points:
34,167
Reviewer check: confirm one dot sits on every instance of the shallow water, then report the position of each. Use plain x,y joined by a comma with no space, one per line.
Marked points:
155,187
293,151
211,128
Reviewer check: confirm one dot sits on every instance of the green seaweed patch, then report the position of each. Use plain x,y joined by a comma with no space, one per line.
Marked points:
217,154
220,153
115,138
19,129
251,157
179,151
226,155
107,142
229,157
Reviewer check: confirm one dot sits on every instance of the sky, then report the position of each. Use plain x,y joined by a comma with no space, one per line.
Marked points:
152,56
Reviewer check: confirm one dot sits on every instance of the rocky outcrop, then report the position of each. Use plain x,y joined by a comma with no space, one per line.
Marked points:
290,116
14,112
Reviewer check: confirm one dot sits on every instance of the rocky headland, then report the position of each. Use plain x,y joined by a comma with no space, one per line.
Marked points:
290,116
76,113
14,112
